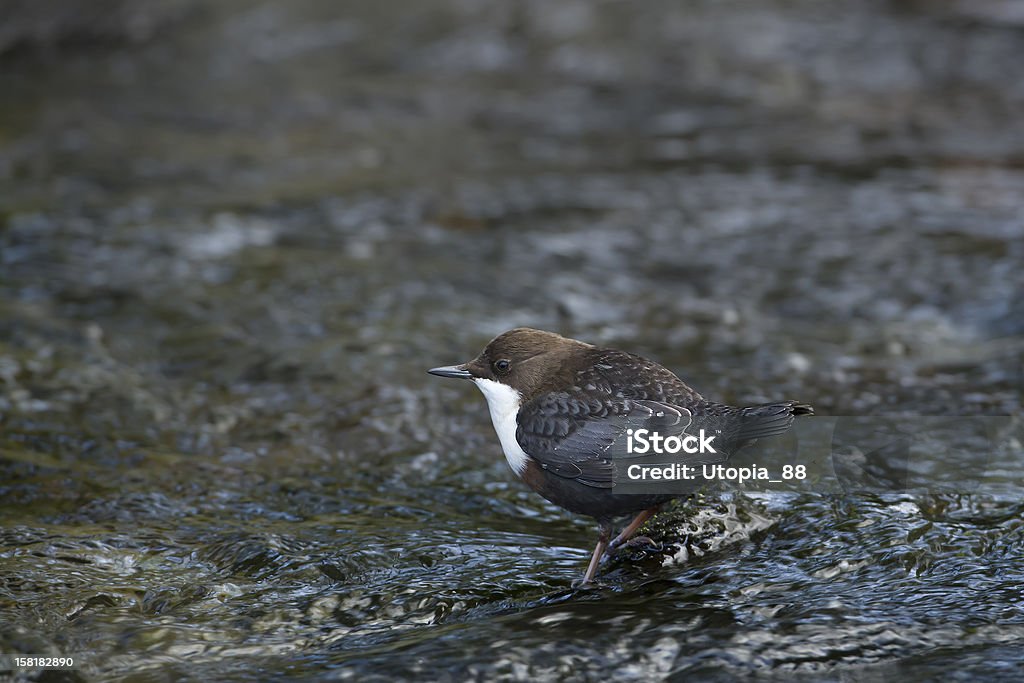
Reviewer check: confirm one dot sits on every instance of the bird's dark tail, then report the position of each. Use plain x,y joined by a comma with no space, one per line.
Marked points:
770,419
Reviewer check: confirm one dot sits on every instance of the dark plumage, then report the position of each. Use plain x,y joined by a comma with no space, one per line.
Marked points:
562,409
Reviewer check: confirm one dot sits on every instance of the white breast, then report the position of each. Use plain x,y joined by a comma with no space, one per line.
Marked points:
503,402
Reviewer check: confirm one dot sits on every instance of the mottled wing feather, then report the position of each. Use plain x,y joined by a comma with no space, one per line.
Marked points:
578,436
636,378
606,437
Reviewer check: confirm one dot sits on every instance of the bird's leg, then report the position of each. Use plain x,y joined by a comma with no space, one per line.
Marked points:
595,560
633,526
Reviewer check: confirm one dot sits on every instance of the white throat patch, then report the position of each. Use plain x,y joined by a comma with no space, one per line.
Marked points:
503,402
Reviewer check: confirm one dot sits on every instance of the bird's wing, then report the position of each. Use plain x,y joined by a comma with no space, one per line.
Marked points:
577,435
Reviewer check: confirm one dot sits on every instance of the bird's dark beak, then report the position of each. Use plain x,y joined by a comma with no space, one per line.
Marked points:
456,371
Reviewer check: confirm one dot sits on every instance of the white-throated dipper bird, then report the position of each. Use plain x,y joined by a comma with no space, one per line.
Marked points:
563,409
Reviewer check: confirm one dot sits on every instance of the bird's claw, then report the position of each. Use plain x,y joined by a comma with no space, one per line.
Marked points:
634,543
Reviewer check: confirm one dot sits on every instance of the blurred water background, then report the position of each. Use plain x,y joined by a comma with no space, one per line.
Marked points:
234,234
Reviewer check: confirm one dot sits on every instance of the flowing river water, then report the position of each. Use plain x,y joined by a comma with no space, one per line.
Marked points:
234,235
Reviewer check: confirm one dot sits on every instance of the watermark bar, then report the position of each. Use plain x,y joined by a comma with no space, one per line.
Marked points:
832,453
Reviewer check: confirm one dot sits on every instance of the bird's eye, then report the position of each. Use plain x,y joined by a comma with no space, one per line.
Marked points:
502,365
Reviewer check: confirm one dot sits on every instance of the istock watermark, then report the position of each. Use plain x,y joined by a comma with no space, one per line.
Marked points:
962,454
711,473
642,441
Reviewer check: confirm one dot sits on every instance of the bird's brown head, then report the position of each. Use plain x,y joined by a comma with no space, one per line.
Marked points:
524,359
